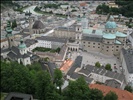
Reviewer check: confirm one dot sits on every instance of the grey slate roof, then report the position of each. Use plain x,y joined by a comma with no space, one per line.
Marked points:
19,95
66,29
38,25
128,56
5,50
90,38
112,83
54,39
51,67
131,34
76,64
92,69
30,42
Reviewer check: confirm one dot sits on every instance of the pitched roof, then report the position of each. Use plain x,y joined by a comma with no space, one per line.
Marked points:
122,94
38,25
19,95
66,65
83,4
128,56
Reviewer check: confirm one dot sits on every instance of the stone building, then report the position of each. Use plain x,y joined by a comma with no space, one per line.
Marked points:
36,27
108,41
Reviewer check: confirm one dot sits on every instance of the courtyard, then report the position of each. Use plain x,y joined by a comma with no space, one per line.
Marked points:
93,57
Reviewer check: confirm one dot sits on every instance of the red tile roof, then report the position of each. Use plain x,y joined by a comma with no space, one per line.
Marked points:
83,4
66,65
122,94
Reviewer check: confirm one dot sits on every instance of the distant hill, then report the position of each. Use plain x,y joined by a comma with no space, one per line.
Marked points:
126,7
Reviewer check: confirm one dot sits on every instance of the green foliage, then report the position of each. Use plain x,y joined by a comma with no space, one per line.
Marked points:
51,6
96,94
77,90
102,9
58,80
111,96
97,64
14,24
35,66
42,49
125,8
15,77
37,9
128,88
108,67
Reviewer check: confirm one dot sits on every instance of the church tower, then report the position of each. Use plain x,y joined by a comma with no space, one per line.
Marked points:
9,35
22,47
84,22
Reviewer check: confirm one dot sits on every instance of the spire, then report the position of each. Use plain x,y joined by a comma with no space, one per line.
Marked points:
22,45
8,29
111,18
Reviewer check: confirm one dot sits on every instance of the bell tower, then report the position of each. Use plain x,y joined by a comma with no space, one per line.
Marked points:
9,35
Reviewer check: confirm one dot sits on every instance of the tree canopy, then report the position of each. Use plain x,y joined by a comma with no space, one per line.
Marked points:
128,88
111,96
108,67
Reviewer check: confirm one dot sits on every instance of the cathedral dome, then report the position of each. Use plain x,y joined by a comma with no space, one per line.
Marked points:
110,24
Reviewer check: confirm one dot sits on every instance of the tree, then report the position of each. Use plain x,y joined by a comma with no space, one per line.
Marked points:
14,24
35,66
111,96
128,88
96,94
43,83
108,67
77,90
15,77
58,80
97,64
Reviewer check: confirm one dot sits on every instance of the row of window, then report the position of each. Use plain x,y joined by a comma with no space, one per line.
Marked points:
93,43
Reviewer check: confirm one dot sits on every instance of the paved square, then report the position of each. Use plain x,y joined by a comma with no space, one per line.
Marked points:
93,57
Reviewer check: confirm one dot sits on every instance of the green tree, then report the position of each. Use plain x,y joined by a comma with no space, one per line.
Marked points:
97,64
96,94
111,96
77,90
34,66
14,24
58,79
108,67
15,77
42,85
128,88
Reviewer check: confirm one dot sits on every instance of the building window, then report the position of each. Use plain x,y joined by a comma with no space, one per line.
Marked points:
107,42
93,43
88,46
27,60
117,46
116,49
98,47
84,42
93,46
98,43
88,42
107,46
11,39
107,50
112,47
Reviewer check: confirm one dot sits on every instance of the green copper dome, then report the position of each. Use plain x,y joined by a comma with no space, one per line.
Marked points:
8,28
22,45
110,24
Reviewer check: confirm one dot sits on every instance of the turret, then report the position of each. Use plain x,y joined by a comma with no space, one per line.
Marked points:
22,47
